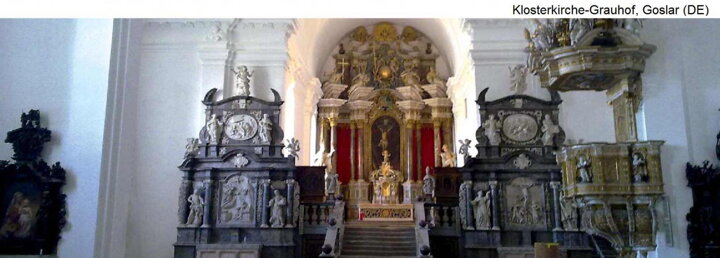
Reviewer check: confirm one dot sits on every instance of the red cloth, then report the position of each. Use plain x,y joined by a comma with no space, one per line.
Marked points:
428,148
343,152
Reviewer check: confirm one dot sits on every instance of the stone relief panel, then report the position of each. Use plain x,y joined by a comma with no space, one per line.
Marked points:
237,201
525,204
241,127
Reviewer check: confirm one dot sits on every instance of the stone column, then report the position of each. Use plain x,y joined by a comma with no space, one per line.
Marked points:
209,186
358,117
361,153
186,189
555,185
436,142
448,134
323,134
265,188
333,142
408,149
352,151
418,151
494,202
290,183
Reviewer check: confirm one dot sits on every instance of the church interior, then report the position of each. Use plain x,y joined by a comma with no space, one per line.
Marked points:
203,138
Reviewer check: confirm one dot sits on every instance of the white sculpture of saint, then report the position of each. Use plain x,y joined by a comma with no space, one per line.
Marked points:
277,210
191,147
464,148
583,166
360,80
265,129
213,127
242,81
518,82
428,183
639,164
26,219
549,130
410,76
492,130
334,78
481,210
197,205
447,157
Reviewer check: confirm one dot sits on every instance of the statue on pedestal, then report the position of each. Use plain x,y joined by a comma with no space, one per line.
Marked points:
277,210
481,210
518,82
242,81
197,205
191,148
265,129
428,183
332,185
292,147
464,148
568,212
213,127
492,130
447,157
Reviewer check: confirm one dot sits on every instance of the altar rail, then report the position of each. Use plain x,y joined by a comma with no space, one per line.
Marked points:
314,217
444,219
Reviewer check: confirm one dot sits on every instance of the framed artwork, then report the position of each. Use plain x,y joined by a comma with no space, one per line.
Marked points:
32,205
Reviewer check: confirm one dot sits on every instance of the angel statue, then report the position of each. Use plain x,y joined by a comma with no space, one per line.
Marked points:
242,81
464,148
292,147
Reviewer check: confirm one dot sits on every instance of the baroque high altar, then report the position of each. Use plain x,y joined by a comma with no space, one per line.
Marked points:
384,114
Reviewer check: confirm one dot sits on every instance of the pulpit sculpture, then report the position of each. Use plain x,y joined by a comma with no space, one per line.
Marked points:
447,157
386,181
242,80
481,209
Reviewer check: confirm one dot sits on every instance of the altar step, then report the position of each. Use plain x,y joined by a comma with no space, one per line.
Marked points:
378,239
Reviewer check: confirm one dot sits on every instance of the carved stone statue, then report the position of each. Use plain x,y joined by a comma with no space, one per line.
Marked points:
583,166
197,205
492,130
292,147
518,82
432,77
578,29
242,81
640,173
277,209
481,210
334,77
447,157
568,213
265,131
323,158
191,148
410,76
464,148
240,160
213,128
332,185
526,211
549,130
428,183
237,200
360,80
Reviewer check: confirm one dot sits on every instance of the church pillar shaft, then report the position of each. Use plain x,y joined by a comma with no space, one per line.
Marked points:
494,203
291,200
436,136
333,140
556,204
418,151
186,189
264,214
408,149
447,134
361,153
352,151
209,185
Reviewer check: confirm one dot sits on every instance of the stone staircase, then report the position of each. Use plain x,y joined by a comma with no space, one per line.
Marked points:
379,239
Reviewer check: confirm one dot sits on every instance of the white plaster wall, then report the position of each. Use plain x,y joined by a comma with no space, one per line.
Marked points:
61,68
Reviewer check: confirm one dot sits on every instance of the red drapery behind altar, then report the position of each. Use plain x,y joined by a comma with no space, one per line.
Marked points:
428,148
343,152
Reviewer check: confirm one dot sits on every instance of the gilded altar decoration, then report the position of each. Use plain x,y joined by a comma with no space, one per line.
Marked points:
388,212
386,182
